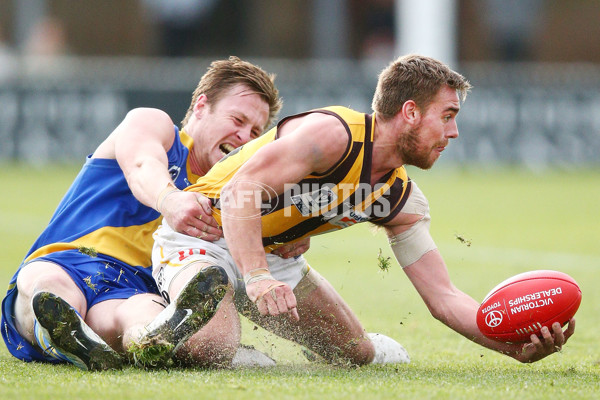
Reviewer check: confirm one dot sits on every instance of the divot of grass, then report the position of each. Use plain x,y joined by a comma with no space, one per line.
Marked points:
383,263
90,251
152,354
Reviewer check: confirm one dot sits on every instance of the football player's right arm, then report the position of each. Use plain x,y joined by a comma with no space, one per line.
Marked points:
140,144
306,144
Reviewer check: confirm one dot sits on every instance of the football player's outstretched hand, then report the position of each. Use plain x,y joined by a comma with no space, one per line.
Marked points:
550,342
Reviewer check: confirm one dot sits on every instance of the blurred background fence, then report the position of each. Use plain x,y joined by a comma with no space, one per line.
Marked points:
69,71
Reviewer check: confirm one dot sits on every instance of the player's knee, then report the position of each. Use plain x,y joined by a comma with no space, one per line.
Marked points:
357,352
46,276
33,278
362,352
39,276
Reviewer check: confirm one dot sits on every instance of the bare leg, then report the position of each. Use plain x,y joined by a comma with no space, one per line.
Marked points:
46,293
327,324
119,321
197,293
48,277
216,343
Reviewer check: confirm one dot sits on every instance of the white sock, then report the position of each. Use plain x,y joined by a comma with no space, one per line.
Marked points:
387,350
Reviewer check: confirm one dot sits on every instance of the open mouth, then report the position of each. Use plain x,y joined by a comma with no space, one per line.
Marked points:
226,148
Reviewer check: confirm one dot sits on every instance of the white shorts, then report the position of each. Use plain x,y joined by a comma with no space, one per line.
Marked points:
173,252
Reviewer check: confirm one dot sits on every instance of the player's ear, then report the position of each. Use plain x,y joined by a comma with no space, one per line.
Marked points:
410,112
200,106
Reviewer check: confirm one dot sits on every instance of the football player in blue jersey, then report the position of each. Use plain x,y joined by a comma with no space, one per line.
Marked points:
84,291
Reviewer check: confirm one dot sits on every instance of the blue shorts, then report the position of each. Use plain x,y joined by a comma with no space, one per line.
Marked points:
99,278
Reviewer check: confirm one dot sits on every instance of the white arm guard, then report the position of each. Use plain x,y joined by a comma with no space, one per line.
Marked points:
410,245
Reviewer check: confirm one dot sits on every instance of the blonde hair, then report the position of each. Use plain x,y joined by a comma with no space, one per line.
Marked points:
417,78
222,75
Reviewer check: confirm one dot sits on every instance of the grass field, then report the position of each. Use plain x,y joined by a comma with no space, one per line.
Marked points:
515,221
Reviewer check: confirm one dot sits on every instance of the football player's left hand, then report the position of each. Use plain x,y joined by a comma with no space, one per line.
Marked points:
190,213
273,297
293,249
551,342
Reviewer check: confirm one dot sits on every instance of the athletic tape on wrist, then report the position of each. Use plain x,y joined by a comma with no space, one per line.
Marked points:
170,189
257,275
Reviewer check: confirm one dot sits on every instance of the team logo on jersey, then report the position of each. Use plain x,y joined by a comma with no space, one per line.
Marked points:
312,202
174,171
348,218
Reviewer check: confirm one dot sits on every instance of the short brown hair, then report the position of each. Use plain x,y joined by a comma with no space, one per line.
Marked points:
417,78
222,75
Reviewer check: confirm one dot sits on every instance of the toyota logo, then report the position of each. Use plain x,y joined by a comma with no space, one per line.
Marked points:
493,319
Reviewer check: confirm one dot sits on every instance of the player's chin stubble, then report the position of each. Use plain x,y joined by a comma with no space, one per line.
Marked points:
412,153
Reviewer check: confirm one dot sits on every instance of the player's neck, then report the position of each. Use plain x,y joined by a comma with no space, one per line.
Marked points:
195,164
385,149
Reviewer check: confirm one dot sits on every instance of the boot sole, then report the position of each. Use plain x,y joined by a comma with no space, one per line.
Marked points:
69,336
195,306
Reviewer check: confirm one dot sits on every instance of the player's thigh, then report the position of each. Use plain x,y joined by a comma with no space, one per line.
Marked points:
327,324
322,308
43,276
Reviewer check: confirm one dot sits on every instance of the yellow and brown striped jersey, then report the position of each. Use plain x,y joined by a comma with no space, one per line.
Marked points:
319,203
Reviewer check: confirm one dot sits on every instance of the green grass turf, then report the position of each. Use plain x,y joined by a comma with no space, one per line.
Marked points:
514,220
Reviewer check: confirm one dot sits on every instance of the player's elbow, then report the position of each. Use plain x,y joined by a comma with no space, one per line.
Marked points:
438,311
240,197
230,195
442,308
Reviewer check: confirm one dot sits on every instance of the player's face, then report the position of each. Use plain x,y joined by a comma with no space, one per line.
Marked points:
423,145
238,117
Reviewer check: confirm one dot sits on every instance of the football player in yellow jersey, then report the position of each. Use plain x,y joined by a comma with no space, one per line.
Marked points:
416,103
90,270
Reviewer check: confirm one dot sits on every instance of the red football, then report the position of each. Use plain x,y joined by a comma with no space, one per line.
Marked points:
522,305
